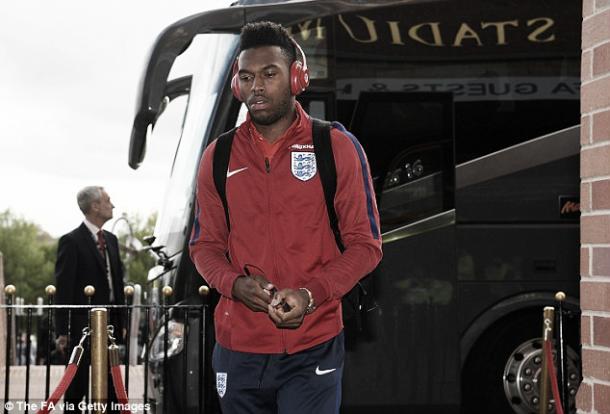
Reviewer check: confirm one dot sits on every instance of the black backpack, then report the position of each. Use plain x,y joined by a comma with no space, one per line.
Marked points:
353,301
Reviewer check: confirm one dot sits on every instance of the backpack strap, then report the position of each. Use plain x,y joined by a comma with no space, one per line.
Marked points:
325,162
220,165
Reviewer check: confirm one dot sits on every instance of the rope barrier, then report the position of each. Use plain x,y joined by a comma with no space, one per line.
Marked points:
117,380
553,376
65,382
68,376
119,389
70,372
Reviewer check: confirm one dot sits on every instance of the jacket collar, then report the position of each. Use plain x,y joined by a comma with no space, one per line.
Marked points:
299,129
92,227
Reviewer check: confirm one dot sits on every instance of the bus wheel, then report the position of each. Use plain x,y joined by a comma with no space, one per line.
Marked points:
522,376
502,371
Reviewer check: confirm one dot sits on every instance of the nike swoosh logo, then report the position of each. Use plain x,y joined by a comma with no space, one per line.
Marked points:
230,173
324,371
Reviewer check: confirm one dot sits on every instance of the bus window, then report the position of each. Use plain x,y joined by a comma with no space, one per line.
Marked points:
175,214
409,143
316,109
501,81
318,104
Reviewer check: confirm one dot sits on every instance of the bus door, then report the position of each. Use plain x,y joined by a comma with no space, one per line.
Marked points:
407,352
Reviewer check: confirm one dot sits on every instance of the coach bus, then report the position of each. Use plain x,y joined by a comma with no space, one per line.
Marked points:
469,114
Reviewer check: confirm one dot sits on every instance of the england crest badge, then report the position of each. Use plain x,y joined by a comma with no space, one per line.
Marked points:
221,383
303,165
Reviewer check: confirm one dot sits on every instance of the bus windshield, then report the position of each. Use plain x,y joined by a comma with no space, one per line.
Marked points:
214,53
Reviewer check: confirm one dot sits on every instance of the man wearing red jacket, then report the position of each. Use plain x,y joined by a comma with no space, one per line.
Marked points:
279,271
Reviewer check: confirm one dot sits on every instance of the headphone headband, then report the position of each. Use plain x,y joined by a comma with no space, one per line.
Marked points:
297,47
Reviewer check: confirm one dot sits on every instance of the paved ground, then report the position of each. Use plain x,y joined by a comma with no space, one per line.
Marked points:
37,386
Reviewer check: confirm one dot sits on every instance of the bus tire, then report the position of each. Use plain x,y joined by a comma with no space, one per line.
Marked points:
483,379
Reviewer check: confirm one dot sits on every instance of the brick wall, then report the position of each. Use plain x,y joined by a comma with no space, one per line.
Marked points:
594,393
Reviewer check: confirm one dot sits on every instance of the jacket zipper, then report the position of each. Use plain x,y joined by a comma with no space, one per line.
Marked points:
269,218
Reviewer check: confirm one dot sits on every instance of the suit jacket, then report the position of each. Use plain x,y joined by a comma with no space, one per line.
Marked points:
80,263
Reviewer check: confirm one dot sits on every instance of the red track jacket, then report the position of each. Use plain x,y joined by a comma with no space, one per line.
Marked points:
279,223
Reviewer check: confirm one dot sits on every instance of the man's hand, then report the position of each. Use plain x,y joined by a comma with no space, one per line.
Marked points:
287,309
61,343
253,291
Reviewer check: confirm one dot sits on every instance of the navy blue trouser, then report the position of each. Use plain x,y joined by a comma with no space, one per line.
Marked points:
306,382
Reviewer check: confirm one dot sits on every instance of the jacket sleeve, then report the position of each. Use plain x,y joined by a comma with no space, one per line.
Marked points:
358,222
65,280
209,238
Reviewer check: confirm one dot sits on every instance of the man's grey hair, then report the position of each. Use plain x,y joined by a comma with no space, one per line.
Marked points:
88,196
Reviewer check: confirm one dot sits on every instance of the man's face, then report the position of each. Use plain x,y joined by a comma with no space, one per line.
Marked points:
103,207
264,84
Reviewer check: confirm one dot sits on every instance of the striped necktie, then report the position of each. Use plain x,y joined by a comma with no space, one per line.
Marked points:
101,243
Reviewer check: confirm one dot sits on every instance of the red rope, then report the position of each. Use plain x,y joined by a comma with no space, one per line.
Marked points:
65,382
553,375
119,389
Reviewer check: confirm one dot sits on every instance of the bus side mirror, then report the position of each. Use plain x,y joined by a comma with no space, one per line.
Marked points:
137,143
146,118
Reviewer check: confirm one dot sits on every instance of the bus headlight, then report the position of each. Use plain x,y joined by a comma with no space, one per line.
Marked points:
175,341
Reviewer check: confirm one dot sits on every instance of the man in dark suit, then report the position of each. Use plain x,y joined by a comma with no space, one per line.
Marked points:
87,255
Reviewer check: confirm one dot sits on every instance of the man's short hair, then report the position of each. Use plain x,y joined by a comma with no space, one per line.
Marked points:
88,196
266,33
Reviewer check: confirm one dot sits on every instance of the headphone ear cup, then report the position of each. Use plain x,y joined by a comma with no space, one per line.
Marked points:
294,86
299,78
235,83
235,87
304,79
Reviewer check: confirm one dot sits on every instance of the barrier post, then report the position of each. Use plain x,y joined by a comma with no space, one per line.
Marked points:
562,360
99,359
547,335
50,291
9,291
128,291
